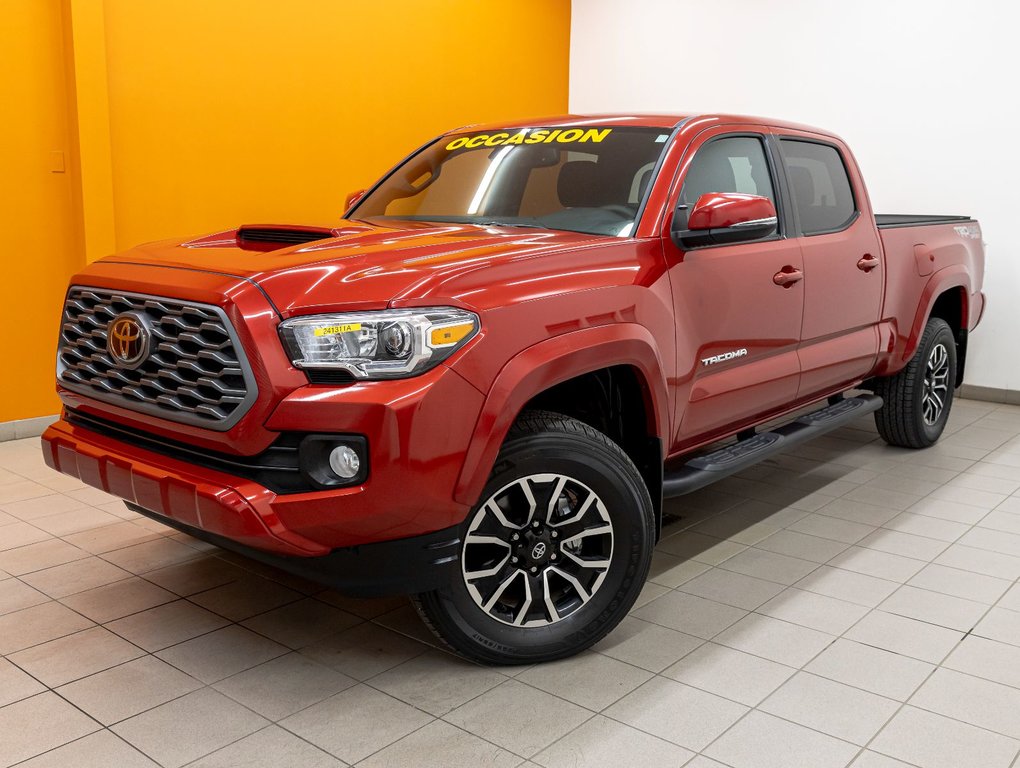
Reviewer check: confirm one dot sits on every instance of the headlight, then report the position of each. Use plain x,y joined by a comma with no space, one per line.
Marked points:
390,344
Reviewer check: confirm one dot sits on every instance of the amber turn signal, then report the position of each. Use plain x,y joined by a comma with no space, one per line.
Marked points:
448,335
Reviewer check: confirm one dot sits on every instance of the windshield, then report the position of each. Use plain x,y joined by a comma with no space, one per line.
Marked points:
588,179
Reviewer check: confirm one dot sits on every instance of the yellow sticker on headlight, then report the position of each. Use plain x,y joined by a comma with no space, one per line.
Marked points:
332,330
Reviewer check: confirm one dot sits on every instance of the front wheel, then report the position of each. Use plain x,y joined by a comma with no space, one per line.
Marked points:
556,552
918,398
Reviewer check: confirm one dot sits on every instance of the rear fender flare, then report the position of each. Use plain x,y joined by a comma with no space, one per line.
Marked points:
944,280
552,362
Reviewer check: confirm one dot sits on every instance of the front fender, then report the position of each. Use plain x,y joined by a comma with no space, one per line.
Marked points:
552,362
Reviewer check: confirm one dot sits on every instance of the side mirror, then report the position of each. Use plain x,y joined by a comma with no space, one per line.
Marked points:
719,218
353,197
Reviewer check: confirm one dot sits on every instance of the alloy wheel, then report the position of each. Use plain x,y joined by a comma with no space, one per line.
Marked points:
936,384
537,550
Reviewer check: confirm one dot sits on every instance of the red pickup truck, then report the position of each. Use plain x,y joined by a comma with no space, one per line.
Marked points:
478,387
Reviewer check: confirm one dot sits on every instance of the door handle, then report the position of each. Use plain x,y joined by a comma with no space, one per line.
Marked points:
787,276
867,263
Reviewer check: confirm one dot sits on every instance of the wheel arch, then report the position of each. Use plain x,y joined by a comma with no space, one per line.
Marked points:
952,306
552,374
945,295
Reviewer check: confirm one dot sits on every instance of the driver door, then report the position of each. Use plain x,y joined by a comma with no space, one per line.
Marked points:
738,306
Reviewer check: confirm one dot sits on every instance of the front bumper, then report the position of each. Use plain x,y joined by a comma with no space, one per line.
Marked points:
416,431
237,514
400,567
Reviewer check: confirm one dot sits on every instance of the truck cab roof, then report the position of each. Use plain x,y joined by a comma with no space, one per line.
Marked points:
637,119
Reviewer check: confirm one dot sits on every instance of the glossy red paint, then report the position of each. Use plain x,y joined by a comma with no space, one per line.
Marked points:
553,305
715,210
416,428
957,265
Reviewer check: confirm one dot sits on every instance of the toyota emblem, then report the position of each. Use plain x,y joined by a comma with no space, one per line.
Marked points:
127,341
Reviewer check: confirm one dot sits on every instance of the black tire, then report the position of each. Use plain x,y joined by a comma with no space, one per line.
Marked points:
547,445
906,418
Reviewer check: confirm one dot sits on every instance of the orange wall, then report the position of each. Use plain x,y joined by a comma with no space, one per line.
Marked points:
41,245
185,117
223,113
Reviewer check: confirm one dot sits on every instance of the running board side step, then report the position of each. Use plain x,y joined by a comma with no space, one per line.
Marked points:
707,469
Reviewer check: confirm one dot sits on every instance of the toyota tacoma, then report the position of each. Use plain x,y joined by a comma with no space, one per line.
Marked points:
478,387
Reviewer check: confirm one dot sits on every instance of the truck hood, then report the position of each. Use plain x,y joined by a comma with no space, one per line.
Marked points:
357,265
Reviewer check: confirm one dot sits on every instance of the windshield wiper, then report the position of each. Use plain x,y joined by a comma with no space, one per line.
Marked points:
505,224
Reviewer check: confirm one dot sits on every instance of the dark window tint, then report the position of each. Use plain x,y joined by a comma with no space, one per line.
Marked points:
734,164
821,188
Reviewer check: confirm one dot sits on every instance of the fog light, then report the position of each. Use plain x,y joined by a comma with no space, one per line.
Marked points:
344,461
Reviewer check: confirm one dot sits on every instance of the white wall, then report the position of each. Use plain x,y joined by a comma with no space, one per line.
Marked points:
924,91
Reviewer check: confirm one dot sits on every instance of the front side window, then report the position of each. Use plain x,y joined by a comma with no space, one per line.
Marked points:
821,188
588,179
732,164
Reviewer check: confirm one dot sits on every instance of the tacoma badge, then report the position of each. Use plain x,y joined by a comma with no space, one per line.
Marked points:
731,355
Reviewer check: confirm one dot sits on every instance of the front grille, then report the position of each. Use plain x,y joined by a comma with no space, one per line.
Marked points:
195,372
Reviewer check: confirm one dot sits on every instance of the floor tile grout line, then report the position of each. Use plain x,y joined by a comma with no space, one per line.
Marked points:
267,726
58,637
906,703
802,725
935,667
434,718
103,624
49,690
694,752
750,710
509,678
81,738
202,685
802,668
842,636
144,651
71,634
442,719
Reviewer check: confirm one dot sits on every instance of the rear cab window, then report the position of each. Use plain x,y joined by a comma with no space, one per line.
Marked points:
820,186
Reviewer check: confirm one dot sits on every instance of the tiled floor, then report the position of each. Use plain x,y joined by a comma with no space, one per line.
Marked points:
847,603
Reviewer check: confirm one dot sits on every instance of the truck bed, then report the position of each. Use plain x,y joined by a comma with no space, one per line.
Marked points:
890,220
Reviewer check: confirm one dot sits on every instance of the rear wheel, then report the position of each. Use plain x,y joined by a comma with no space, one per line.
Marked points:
918,398
555,554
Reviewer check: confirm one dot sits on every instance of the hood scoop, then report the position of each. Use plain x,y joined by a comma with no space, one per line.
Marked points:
282,234
272,237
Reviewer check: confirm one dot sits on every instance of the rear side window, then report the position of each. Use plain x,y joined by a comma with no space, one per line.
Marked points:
821,188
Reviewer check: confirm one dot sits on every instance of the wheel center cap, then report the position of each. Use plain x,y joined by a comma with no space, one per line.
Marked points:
536,547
